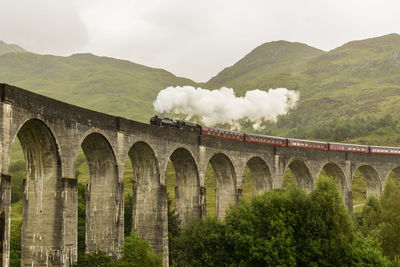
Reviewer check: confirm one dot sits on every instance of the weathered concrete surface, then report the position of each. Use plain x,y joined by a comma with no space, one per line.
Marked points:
187,191
42,205
104,203
51,133
5,209
69,230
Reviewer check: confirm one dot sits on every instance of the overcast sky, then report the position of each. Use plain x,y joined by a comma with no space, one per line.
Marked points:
194,39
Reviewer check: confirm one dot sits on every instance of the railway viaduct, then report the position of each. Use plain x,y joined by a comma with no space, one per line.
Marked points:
51,133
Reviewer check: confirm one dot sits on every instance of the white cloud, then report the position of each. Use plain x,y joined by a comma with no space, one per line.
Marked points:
222,106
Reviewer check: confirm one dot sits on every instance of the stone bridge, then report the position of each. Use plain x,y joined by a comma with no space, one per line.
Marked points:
52,132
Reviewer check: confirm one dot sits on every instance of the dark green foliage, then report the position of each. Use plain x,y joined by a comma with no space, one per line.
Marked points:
81,218
128,215
173,229
202,243
280,228
366,251
262,231
380,219
390,228
98,258
371,216
15,247
334,230
137,253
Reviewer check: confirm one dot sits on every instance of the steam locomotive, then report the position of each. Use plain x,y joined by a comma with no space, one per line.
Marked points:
272,140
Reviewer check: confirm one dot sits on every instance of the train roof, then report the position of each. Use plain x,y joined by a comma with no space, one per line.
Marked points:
346,144
311,141
386,147
263,135
220,129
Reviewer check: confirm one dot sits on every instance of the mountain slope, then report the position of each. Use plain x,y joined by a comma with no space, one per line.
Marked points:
10,48
358,79
265,66
104,84
361,77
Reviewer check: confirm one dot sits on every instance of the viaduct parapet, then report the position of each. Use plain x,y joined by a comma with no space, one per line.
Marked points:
52,132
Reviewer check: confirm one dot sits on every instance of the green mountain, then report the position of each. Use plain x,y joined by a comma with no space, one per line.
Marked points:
353,82
10,48
270,65
109,85
343,87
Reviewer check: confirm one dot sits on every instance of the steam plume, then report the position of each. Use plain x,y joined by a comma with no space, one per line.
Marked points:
222,106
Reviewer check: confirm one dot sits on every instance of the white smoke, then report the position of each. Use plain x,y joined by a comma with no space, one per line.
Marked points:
222,106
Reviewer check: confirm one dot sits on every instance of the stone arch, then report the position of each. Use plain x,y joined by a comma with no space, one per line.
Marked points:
395,172
372,180
104,199
83,137
42,219
225,174
302,174
14,134
187,191
336,173
261,174
149,208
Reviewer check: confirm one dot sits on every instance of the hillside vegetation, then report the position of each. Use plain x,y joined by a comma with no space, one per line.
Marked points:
10,48
355,84
349,84
109,85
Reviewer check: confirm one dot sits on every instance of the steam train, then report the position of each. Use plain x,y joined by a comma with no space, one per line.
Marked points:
272,140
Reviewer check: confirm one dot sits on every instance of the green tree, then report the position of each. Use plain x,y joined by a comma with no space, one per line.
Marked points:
202,243
81,218
137,253
366,251
371,217
390,227
334,230
173,229
128,214
98,258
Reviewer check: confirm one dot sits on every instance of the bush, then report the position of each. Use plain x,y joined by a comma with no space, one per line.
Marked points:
202,243
137,252
98,258
285,228
366,251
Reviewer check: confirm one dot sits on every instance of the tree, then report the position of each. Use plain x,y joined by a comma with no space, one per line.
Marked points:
390,228
334,230
137,253
371,217
281,228
98,258
366,251
202,243
173,229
